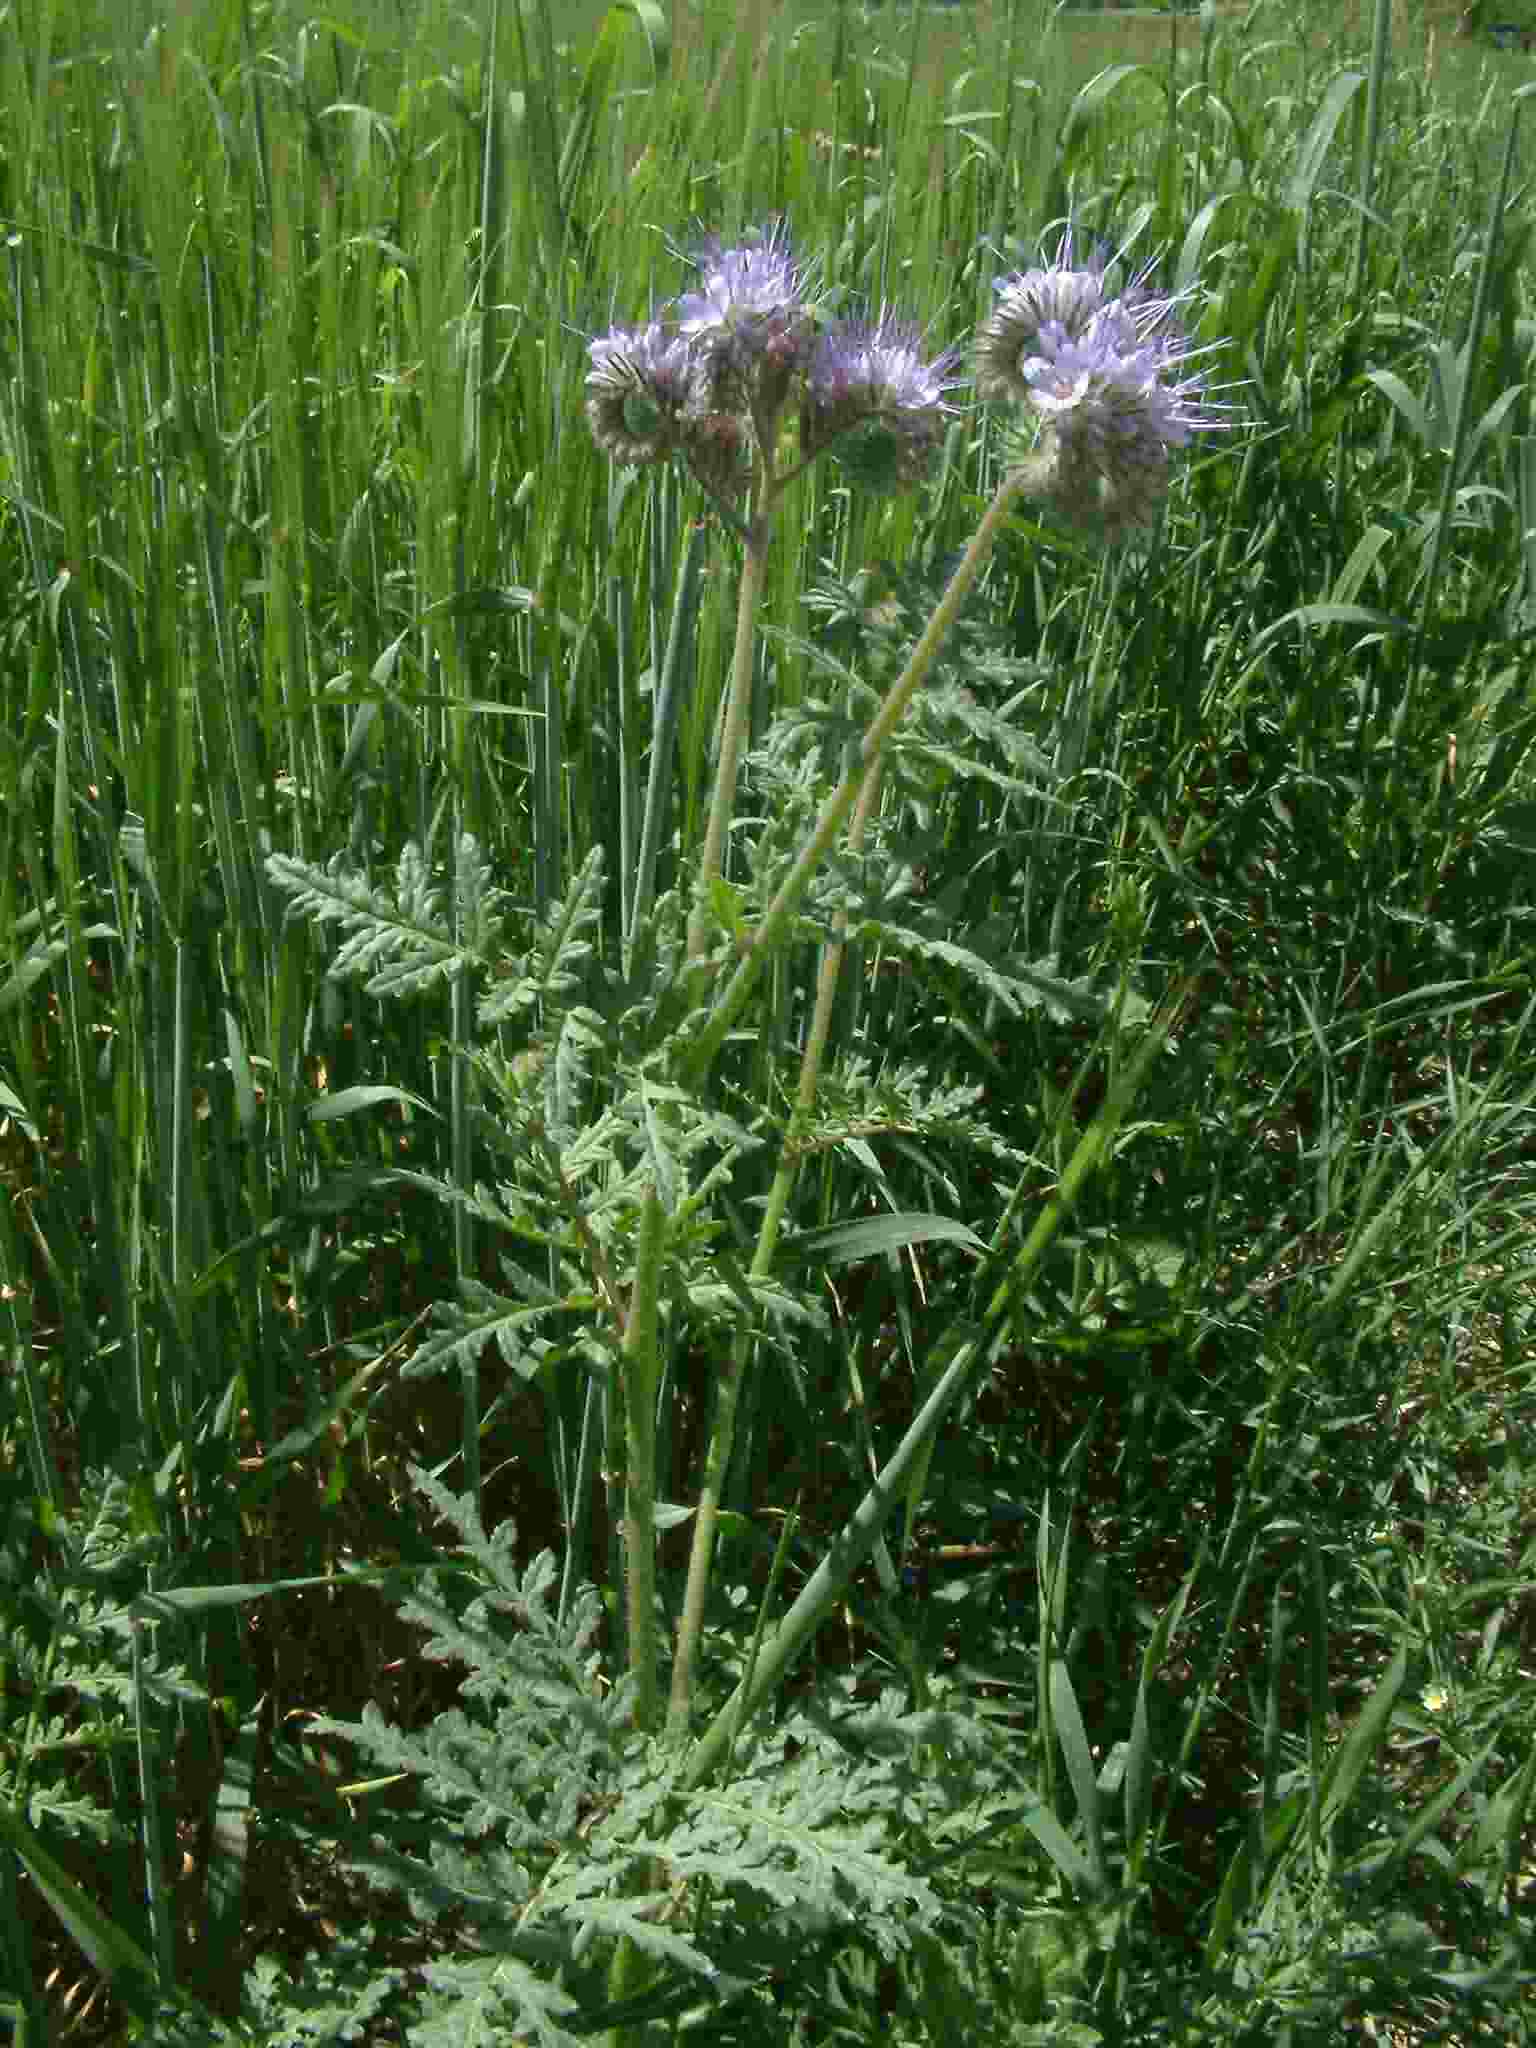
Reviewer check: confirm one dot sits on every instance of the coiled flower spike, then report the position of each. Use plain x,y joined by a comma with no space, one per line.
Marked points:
639,390
708,379
1102,375
871,392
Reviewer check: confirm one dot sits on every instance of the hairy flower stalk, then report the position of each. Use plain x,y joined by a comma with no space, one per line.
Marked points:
728,1391
750,330
708,384
835,811
1100,375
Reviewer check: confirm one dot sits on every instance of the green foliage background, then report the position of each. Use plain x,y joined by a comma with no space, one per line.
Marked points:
1198,1658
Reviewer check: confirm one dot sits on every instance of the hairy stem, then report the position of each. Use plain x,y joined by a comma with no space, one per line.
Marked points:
640,1373
728,1393
738,715
842,800
856,793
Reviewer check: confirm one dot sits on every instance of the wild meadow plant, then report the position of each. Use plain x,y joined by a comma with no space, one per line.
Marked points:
1105,378
615,1115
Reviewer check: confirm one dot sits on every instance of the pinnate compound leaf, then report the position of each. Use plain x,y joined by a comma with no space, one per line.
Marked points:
788,1838
1018,987
562,948
401,940
484,2002
343,1988
482,1317
634,1920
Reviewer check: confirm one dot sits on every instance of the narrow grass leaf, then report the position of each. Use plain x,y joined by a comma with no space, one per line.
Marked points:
1073,1737
845,1244
1347,1767
100,1940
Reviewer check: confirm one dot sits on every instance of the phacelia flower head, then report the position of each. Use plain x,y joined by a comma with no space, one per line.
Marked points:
1107,378
870,391
1035,309
640,387
709,379
750,320
753,288
1114,406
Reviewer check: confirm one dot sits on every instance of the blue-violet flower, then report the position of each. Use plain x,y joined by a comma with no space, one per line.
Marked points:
1035,308
1103,376
640,388
870,391
749,320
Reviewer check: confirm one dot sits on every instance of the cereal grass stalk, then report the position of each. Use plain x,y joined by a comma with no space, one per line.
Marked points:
640,1378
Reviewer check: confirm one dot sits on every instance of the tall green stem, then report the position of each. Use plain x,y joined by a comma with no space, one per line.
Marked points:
640,1375
846,794
1375,87
738,716
856,793
728,1395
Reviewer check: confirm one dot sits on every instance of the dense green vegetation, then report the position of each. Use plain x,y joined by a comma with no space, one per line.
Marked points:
380,1170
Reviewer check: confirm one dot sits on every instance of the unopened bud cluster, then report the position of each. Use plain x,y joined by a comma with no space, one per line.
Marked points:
709,380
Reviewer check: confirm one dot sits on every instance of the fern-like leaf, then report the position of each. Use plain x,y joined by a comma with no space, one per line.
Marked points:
482,1317
558,1837
786,1835
399,939
343,1990
561,951
485,2002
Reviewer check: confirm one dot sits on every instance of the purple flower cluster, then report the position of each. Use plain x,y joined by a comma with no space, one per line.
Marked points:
708,382
869,381
1107,378
638,392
